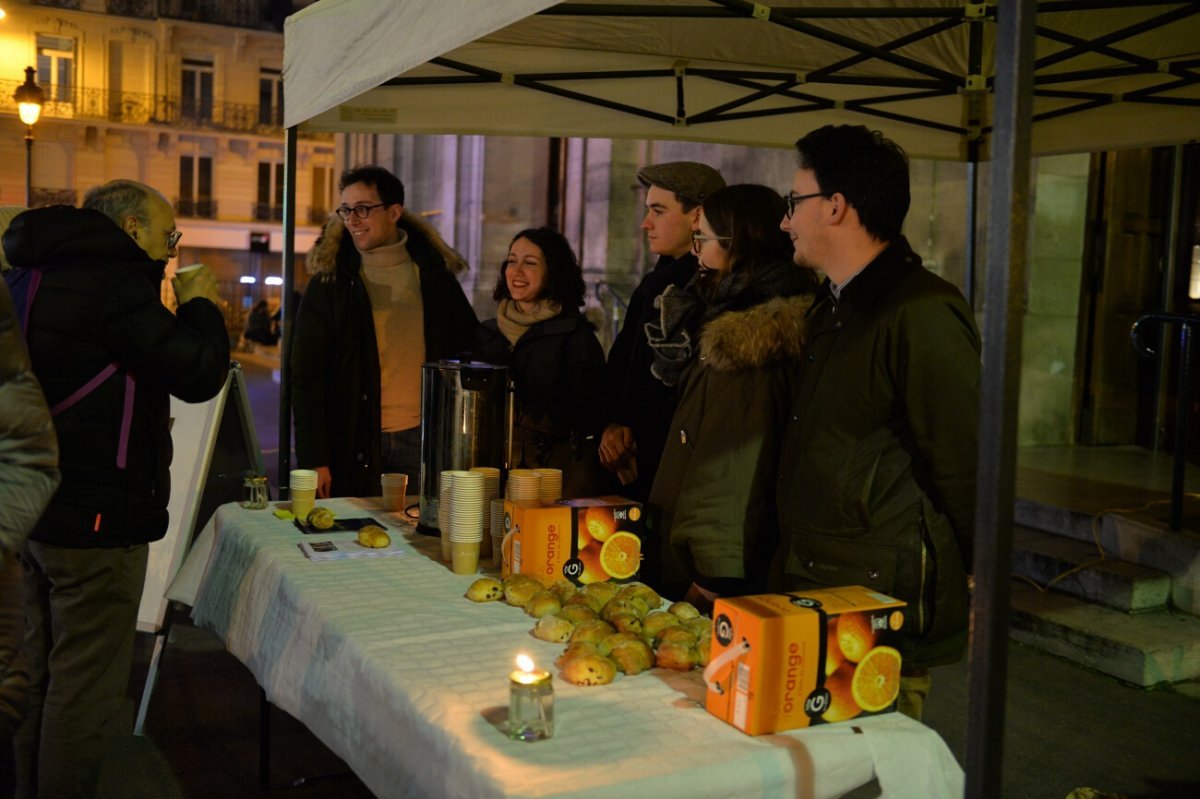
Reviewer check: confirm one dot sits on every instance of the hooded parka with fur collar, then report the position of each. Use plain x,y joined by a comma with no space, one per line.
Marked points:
713,498
334,357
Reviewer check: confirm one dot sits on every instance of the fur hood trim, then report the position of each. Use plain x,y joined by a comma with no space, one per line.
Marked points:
321,260
769,333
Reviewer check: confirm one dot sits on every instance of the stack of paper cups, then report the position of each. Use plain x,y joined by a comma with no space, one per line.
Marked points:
445,506
524,484
491,490
466,521
302,491
395,486
550,487
497,530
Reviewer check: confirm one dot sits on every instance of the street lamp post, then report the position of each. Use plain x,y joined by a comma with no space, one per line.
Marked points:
29,97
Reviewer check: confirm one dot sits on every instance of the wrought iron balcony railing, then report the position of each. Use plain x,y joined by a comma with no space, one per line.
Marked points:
196,209
133,108
265,212
40,197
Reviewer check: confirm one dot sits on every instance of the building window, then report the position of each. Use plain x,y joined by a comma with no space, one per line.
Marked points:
56,67
197,88
322,194
195,187
270,192
270,98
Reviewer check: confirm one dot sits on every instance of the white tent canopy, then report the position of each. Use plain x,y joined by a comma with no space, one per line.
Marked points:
1107,75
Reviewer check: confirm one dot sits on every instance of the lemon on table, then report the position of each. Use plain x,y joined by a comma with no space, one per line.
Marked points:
320,519
373,536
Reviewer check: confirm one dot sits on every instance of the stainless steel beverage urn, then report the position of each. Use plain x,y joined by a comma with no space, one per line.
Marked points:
464,422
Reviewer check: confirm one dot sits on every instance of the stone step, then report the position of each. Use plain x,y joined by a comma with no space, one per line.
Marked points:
1145,649
1043,557
1132,537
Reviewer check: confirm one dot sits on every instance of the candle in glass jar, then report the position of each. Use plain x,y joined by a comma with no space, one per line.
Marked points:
530,702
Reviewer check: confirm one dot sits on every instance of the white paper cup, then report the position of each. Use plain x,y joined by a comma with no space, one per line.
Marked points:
497,541
464,557
395,487
302,500
549,484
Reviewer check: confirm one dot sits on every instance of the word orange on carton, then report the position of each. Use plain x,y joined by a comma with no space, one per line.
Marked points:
782,661
584,540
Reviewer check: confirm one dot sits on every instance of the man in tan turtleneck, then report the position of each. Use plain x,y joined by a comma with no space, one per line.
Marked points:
366,326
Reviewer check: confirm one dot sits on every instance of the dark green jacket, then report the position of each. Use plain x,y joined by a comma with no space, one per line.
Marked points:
712,501
877,474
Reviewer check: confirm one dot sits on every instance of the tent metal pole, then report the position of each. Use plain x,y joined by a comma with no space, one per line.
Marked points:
1171,261
289,310
969,276
1004,285
976,103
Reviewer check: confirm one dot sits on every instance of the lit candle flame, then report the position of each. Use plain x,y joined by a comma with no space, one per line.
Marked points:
525,663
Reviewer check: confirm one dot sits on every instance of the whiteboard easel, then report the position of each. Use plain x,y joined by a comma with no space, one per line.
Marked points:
215,445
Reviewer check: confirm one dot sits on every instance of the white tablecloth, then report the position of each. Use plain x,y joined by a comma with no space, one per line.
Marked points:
406,680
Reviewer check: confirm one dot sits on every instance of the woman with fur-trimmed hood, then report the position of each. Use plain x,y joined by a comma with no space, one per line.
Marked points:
731,340
383,299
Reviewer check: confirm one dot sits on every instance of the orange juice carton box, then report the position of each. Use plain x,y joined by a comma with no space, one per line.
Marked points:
782,661
583,540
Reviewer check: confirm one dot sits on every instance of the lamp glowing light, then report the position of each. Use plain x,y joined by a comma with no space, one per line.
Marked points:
30,98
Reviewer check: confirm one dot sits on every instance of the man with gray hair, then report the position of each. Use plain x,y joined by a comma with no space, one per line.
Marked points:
109,355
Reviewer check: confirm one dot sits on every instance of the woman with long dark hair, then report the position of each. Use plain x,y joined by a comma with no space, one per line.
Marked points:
731,341
555,362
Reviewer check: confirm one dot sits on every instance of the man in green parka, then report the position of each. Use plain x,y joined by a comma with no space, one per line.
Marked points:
877,473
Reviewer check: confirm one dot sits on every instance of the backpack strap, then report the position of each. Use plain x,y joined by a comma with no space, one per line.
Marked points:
26,285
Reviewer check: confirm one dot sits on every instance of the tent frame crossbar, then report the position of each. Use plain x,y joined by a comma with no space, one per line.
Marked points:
934,83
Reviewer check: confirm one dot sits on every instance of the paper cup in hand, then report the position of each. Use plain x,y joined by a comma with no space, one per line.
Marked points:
184,274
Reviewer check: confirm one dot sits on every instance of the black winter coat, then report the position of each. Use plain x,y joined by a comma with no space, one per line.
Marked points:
97,304
556,369
633,396
334,357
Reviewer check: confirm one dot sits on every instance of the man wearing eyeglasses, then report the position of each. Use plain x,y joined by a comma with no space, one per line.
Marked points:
639,405
877,473
109,356
384,299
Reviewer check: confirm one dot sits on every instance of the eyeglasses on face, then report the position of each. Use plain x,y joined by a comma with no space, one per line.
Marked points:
173,238
359,211
793,199
699,238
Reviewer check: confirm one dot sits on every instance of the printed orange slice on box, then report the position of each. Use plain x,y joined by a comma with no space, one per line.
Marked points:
876,681
855,636
621,555
600,523
841,695
590,557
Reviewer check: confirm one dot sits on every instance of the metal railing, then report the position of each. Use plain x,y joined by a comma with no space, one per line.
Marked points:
265,212
135,108
40,197
1183,397
614,310
196,209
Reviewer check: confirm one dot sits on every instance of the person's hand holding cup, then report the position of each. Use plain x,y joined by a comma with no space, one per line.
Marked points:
193,281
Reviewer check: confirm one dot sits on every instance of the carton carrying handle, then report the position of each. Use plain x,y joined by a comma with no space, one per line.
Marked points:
718,663
506,551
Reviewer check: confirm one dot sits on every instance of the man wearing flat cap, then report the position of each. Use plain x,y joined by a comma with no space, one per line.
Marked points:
638,406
